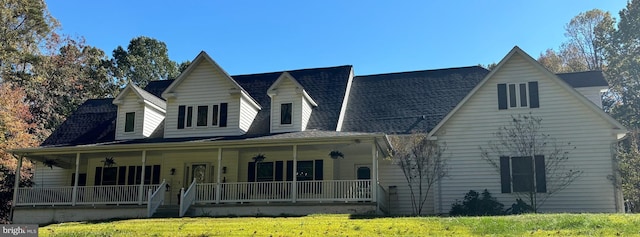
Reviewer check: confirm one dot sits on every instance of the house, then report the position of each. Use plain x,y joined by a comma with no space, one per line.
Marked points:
208,143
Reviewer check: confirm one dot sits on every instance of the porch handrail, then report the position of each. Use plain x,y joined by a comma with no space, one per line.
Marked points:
155,199
187,198
383,200
85,195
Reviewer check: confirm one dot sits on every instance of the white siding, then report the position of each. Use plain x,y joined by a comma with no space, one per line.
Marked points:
307,108
564,118
247,114
593,94
391,175
152,118
206,85
51,177
129,104
286,93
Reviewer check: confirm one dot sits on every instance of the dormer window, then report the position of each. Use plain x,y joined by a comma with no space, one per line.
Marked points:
285,113
130,120
218,112
203,115
518,95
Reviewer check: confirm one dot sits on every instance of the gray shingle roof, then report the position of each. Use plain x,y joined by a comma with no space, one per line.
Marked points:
92,122
150,97
326,85
407,101
584,79
384,103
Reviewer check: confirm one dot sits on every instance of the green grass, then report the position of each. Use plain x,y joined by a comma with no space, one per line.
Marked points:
345,225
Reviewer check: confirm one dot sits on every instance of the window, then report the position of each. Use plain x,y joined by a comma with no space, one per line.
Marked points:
190,116
521,95
523,174
181,112
151,174
307,170
214,115
285,113
203,116
265,171
223,114
130,120
186,115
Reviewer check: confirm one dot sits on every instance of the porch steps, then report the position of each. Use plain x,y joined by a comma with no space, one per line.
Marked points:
167,211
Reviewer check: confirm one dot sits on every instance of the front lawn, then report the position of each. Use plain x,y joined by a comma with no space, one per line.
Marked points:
345,225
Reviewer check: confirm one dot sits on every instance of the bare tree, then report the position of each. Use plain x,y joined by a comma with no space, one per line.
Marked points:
422,164
532,164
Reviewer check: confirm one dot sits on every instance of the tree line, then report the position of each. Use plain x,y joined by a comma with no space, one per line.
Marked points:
597,41
45,75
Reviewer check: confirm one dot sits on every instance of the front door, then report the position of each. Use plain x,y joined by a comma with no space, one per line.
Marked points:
199,172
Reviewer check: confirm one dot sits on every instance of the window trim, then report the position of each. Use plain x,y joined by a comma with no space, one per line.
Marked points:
189,116
520,95
133,122
205,122
538,174
282,114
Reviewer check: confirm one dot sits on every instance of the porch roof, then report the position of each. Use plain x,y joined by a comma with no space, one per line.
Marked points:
292,138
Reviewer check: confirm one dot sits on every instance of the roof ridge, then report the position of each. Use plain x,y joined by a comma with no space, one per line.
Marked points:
428,70
294,70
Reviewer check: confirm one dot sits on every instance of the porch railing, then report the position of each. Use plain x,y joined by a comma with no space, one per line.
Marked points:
187,197
383,200
281,191
86,195
155,198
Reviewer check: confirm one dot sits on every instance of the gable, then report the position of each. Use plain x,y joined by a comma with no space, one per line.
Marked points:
556,98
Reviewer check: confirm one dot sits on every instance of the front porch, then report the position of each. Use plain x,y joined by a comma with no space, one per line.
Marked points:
45,205
210,177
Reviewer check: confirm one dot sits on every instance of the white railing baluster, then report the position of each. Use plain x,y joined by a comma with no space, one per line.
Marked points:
155,199
187,198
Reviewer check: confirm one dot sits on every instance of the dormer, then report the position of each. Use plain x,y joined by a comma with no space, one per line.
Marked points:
204,101
291,105
591,84
139,113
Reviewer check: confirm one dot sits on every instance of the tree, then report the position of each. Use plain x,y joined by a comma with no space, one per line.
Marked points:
68,73
24,24
522,144
422,163
14,133
146,59
582,51
622,51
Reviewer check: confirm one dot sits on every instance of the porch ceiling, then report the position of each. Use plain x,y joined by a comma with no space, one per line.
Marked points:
311,139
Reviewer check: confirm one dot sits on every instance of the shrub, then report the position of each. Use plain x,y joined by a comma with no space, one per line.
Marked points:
473,205
519,207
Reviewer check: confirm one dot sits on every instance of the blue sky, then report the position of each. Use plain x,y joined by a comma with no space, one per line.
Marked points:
375,36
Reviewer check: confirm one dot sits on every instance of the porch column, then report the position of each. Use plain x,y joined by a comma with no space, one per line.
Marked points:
294,189
16,183
74,198
374,172
141,188
218,185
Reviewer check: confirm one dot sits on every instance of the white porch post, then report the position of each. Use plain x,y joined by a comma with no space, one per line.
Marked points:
16,182
74,198
141,188
374,173
218,185
294,189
